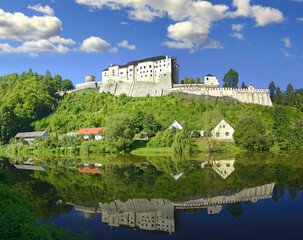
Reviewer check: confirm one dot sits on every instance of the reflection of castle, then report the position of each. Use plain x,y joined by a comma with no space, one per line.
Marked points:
214,204
153,215
164,215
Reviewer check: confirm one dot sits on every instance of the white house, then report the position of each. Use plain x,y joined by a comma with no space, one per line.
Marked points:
95,131
211,81
176,125
223,131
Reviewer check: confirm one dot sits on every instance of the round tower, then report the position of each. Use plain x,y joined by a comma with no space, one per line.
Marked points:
89,78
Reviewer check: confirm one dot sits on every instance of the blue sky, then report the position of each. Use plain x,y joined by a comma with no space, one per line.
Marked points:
262,40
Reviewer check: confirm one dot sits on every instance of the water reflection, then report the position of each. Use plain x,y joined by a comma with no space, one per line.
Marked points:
155,193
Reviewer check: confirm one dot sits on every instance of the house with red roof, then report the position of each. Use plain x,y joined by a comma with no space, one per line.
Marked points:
87,131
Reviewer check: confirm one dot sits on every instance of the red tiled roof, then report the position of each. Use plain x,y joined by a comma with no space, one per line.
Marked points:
87,131
89,170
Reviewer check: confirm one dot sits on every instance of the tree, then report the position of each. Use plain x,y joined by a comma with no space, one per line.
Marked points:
191,80
186,80
182,81
279,97
7,124
67,85
198,81
182,142
250,134
91,136
243,85
290,98
120,131
272,91
231,79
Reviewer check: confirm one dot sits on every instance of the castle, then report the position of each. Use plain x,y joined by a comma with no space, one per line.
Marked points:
159,76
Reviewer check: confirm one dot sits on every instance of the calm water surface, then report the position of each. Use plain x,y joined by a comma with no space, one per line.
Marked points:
251,196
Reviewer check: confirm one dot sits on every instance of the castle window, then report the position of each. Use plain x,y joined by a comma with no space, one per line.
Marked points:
151,75
130,70
227,134
149,66
151,70
217,134
164,65
223,126
160,70
140,67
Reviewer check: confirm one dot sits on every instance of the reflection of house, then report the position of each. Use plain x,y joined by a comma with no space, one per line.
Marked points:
151,215
214,204
223,131
30,136
176,177
89,170
176,125
30,166
224,167
95,131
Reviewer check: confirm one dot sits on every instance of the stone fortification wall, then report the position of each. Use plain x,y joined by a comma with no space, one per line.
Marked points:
245,95
138,88
86,85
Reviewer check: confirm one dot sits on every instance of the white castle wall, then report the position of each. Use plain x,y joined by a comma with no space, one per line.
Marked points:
245,95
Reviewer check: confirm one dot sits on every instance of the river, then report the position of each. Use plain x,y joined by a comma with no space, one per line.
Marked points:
246,196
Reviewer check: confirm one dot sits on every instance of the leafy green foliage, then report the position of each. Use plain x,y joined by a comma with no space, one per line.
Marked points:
25,99
250,133
231,79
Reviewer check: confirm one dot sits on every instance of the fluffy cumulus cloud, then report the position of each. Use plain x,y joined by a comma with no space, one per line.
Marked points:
300,19
34,47
18,27
94,45
287,42
47,10
262,15
35,35
193,19
125,44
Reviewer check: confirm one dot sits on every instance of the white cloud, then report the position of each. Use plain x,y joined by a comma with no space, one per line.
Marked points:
63,41
34,47
262,15
300,19
18,27
123,23
296,1
113,50
237,27
287,54
287,42
94,44
47,10
237,35
125,44
192,19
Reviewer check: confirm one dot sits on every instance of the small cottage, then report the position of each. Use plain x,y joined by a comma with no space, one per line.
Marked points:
223,131
87,131
30,136
176,125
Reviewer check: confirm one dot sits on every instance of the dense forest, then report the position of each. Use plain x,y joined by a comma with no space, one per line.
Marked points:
29,102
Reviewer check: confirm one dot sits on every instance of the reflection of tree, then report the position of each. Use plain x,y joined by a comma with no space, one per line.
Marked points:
235,209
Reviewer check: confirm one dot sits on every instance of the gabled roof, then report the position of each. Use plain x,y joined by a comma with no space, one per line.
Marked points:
151,59
87,131
30,134
175,124
221,121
